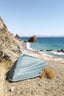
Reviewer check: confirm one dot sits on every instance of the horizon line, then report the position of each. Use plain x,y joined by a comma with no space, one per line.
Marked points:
42,36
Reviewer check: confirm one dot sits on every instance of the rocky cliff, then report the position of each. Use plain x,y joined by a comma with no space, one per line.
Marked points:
8,43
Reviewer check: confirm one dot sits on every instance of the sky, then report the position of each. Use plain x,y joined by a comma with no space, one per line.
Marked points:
33,17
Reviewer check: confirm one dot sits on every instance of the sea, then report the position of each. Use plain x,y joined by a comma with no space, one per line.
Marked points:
47,43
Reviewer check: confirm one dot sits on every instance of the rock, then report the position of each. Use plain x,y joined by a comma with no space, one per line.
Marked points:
25,41
6,57
41,50
32,39
17,36
61,50
39,84
12,89
1,54
0,59
49,50
32,92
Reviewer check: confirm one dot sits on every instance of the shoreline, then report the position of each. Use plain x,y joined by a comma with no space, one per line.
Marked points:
25,49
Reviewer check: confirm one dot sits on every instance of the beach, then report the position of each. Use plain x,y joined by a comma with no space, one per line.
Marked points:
31,47
38,86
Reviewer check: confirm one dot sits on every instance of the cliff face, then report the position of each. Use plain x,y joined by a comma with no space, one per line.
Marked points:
8,44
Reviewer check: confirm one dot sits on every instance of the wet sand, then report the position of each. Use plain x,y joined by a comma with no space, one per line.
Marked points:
37,86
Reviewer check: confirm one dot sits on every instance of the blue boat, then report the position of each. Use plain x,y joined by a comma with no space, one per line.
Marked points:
26,67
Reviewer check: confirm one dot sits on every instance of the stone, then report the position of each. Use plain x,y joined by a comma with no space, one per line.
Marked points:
49,50
12,89
25,41
1,53
6,57
17,36
41,50
61,50
32,39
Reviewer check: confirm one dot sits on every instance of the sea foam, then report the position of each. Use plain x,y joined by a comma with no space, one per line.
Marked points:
52,53
56,53
28,46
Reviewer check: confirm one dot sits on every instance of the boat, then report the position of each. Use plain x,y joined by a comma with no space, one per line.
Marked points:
26,67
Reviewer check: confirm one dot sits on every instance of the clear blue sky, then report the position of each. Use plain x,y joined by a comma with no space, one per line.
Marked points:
29,17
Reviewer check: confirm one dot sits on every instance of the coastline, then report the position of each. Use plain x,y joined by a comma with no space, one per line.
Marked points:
45,53
25,48
48,46
37,86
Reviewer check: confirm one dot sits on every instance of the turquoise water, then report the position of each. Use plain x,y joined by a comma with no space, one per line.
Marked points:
46,43
49,43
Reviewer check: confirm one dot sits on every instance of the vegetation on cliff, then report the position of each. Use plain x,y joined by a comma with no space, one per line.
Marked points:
9,49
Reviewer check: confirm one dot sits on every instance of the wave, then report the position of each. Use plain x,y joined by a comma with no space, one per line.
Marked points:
28,46
56,53
44,52
41,52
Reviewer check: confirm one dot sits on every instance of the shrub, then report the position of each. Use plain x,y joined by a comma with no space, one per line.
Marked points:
48,73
